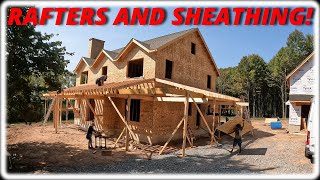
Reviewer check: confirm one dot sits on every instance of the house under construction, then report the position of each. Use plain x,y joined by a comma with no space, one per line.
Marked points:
155,89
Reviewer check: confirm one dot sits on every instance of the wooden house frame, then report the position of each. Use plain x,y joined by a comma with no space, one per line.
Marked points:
165,102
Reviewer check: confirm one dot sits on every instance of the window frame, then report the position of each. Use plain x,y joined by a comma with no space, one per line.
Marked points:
85,81
129,65
193,48
102,70
165,71
209,81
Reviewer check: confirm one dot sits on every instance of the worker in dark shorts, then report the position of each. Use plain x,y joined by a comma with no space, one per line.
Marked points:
89,135
237,138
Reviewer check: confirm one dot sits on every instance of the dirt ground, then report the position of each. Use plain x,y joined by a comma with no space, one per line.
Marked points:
38,149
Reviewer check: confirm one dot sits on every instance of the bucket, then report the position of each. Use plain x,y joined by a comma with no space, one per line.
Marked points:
276,125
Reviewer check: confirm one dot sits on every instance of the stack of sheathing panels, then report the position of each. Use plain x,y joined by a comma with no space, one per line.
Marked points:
229,126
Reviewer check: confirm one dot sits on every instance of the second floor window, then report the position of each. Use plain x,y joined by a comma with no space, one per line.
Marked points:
193,48
84,77
135,68
168,74
209,82
105,70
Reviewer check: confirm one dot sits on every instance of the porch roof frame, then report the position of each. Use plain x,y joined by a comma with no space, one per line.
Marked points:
141,87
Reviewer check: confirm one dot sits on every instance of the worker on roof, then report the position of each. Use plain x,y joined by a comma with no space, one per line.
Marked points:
101,80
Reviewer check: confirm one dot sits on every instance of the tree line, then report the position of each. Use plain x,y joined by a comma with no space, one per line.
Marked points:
35,64
263,84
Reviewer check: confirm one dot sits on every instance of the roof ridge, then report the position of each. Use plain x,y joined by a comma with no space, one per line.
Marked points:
169,34
145,41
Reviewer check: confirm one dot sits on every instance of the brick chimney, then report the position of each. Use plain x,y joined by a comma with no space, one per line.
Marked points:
95,46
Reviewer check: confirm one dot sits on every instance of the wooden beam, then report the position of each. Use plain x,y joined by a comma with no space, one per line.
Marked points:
213,122
60,111
115,144
91,108
157,91
180,99
197,90
49,111
67,112
201,115
123,120
55,115
132,96
74,109
219,121
242,103
186,106
172,134
127,119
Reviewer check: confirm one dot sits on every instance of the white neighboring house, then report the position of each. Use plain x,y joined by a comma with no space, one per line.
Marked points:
302,88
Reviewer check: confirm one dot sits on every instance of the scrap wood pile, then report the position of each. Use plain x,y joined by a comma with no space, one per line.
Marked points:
147,148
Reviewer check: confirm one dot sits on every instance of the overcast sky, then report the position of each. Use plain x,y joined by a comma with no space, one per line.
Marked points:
228,44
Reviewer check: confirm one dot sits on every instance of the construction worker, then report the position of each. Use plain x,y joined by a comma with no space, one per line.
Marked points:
89,135
101,80
238,137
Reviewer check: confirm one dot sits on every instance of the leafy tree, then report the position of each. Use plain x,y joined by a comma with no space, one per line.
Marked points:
262,84
35,64
297,48
252,72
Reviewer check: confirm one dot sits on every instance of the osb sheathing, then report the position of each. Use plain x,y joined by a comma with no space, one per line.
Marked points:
158,119
143,128
188,69
117,70
83,67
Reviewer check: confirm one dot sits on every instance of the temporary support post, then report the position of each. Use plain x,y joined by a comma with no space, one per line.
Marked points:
60,111
67,112
203,119
173,133
219,120
45,106
127,119
115,144
91,108
186,106
214,120
49,111
123,120
74,109
56,114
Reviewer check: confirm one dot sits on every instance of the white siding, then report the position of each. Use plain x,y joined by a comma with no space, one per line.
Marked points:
303,81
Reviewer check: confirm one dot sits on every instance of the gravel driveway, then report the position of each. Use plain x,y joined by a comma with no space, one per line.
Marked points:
267,152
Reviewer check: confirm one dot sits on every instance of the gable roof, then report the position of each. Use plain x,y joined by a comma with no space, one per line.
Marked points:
300,65
86,60
159,41
151,45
